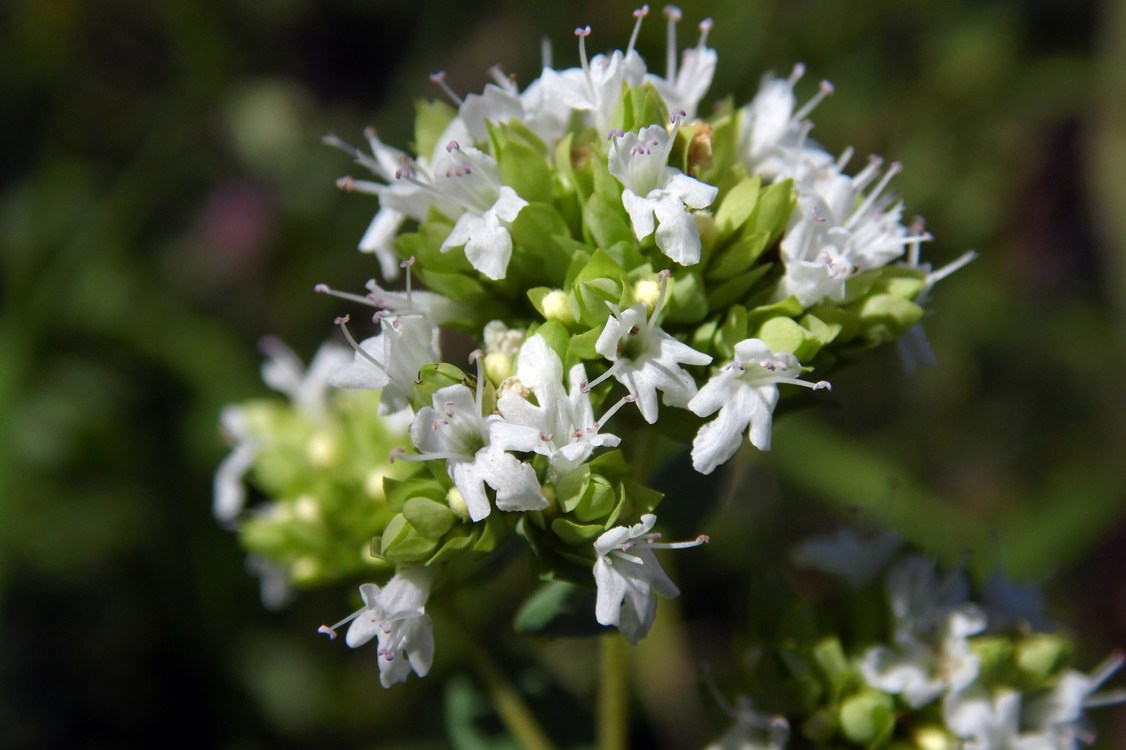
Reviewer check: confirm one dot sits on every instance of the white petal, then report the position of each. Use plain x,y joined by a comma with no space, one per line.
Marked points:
640,212
489,247
692,192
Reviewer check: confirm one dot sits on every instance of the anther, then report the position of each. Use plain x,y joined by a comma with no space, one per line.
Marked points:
347,184
396,453
582,32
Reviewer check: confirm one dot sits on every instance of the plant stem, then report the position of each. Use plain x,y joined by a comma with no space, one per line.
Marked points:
508,702
613,697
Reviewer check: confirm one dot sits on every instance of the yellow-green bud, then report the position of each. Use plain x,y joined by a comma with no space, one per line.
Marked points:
647,292
305,509
457,504
498,367
557,307
322,449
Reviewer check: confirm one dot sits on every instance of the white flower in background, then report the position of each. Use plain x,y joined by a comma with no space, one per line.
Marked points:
596,86
682,88
657,196
1059,713
284,372
831,238
472,178
568,432
627,574
744,392
991,722
932,622
921,670
773,137
396,617
753,730
857,558
645,359
475,449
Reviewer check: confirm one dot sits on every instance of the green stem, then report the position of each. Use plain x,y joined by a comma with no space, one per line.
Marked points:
613,696
508,702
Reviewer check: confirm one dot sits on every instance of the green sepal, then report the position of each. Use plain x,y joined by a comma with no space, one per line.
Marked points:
597,500
569,489
1041,655
431,118
432,519
536,232
635,500
457,285
432,378
491,532
402,543
399,491
830,657
786,335
867,718
884,317
581,345
639,107
599,280
576,534
772,213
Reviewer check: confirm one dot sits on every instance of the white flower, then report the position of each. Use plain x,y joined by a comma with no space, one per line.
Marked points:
391,359
1059,713
568,432
752,730
229,492
475,449
744,392
596,87
920,671
654,189
988,722
627,573
683,88
646,359
473,178
773,137
396,616
837,232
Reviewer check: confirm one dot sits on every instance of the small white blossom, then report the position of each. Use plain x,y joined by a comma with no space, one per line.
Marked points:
645,359
657,196
475,449
472,178
991,722
744,392
684,87
627,574
568,432
396,617
1059,713
392,359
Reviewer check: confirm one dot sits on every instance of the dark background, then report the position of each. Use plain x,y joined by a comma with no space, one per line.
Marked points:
166,201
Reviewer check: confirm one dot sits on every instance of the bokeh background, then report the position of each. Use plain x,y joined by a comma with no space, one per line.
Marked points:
167,201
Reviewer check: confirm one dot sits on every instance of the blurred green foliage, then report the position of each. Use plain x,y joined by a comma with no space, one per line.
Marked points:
167,202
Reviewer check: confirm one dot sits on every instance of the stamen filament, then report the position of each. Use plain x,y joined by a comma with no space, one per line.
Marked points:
326,289
674,15
951,267
639,14
826,89
627,399
663,277
586,386
702,539
582,33
343,323
893,169
440,79
705,26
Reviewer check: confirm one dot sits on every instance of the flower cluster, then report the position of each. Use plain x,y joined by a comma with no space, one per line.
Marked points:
614,254
940,667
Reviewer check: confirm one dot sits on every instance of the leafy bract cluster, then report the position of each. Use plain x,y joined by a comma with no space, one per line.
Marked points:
920,658
610,252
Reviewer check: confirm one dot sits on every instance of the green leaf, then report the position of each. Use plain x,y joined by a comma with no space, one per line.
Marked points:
551,602
687,303
737,289
737,257
785,335
775,204
605,222
738,205
733,330
524,169
597,500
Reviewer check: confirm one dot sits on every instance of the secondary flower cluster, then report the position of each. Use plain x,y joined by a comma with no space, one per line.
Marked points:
611,253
